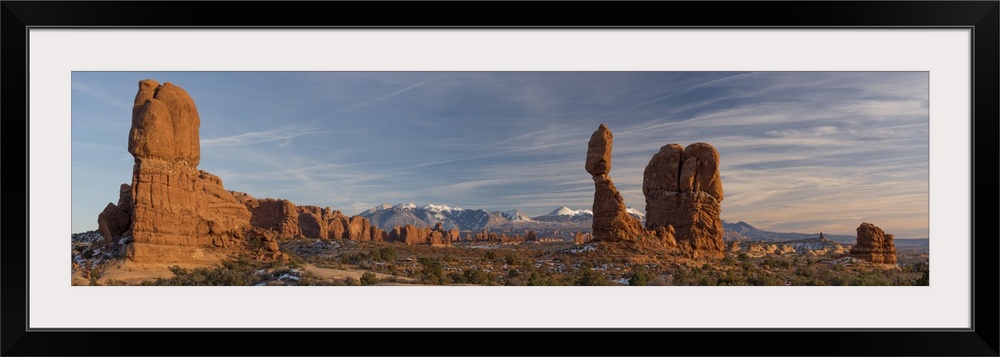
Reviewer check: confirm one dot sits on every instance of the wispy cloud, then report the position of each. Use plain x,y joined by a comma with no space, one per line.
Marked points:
285,135
800,151
103,95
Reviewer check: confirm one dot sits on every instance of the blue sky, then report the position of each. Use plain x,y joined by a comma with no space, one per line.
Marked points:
800,151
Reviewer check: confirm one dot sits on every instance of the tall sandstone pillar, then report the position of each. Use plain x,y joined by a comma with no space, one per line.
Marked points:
176,208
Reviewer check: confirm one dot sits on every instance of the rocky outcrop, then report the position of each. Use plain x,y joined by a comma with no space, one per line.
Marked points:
116,220
358,228
174,203
683,191
874,245
665,235
612,222
278,215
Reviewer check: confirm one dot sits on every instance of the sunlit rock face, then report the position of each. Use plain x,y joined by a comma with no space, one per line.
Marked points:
874,245
683,193
173,203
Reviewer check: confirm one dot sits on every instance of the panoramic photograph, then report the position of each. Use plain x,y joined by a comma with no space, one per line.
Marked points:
500,178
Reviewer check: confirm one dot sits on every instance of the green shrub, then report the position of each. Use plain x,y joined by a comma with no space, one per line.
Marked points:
369,278
431,271
476,276
640,276
588,277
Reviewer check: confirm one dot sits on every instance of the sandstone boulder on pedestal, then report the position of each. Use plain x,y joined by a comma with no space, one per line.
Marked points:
683,190
874,245
612,222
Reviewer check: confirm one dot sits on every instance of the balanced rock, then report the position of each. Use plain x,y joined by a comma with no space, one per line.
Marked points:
612,222
683,190
874,245
599,151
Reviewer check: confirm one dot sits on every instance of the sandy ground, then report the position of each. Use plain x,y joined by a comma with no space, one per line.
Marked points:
340,274
131,272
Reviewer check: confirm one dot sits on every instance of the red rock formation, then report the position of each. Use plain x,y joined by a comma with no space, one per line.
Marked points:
116,220
683,191
666,235
314,221
874,245
413,235
278,215
530,236
436,238
611,219
378,234
175,204
359,228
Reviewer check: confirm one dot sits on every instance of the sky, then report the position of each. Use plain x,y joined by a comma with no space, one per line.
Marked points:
799,151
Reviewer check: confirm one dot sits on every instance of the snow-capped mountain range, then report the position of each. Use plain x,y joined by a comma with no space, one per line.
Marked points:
386,216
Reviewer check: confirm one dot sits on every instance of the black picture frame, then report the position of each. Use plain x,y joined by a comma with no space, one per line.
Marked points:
980,16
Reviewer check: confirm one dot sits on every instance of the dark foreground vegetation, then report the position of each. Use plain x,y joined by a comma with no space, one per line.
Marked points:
543,264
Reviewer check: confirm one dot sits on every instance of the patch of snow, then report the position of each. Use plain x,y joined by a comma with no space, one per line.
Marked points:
406,206
563,211
381,207
516,216
566,211
437,208
635,212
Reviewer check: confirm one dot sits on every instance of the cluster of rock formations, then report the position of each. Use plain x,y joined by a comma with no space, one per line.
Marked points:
683,193
874,245
172,211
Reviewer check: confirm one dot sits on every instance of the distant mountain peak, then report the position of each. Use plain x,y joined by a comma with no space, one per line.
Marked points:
410,205
566,211
516,216
436,208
